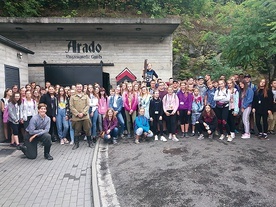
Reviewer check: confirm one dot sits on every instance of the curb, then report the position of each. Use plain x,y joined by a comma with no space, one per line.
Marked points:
95,189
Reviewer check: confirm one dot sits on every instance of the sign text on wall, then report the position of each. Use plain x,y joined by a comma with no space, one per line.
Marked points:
84,48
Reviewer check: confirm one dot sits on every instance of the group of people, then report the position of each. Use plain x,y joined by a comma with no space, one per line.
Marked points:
150,108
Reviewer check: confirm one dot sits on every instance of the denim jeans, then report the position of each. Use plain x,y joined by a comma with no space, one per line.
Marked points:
94,119
62,123
113,135
71,131
121,122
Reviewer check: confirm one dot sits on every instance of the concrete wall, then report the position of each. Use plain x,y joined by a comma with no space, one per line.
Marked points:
8,56
123,51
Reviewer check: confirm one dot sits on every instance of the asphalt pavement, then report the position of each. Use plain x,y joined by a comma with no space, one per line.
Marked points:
194,173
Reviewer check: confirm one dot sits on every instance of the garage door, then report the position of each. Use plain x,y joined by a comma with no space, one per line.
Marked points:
67,75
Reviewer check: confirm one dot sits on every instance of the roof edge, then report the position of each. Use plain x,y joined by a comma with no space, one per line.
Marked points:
14,45
86,20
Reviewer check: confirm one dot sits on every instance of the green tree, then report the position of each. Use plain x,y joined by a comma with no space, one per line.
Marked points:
24,8
251,42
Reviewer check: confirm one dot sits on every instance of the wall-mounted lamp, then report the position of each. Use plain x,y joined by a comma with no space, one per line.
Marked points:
19,55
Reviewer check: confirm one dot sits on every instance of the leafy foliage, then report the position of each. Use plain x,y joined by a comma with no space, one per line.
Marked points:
24,8
251,42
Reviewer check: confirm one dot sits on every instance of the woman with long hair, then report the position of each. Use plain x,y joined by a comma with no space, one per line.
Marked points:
130,99
110,128
144,100
15,117
5,113
262,107
170,106
62,115
233,108
207,122
184,108
103,106
116,103
29,108
36,95
246,96
222,98
93,110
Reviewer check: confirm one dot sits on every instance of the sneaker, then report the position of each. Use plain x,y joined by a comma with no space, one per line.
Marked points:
222,137
85,138
245,136
72,142
229,138
216,133
264,136
193,134
170,136
122,136
162,138
186,134
211,136
156,138
137,141
232,135
174,138
260,135
201,136
62,142
129,136
115,141
65,141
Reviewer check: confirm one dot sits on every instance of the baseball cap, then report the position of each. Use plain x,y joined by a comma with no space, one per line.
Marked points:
200,77
247,76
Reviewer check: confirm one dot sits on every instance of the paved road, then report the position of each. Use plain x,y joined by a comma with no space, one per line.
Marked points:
206,173
65,181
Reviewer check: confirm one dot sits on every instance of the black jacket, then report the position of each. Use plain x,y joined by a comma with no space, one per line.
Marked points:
262,104
51,105
156,107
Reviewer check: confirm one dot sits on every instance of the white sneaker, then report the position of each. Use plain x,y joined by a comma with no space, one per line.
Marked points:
245,136
85,138
72,142
201,136
229,138
222,137
233,135
174,138
156,138
137,141
170,136
162,138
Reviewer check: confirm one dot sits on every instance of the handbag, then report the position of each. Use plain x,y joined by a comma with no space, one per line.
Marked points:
102,133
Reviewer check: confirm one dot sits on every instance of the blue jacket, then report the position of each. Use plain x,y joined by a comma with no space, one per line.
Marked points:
248,98
119,103
142,122
210,93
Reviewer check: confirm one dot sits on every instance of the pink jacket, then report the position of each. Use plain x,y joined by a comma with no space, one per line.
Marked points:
103,105
170,102
134,102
